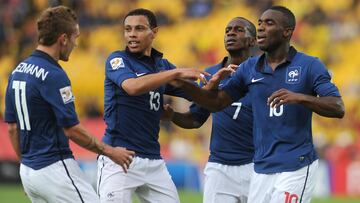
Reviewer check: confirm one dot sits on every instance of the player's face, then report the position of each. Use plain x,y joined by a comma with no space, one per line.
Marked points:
236,36
138,34
69,44
271,32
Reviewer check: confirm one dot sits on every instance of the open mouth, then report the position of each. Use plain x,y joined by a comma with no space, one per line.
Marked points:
133,44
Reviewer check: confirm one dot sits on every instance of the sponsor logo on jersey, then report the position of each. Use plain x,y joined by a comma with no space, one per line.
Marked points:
117,63
139,74
293,75
253,80
67,95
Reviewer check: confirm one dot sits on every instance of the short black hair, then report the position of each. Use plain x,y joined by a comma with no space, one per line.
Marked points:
289,21
144,12
250,26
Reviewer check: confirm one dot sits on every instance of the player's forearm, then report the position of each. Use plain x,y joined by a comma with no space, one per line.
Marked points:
14,138
81,137
185,120
146,83
213,100
325,106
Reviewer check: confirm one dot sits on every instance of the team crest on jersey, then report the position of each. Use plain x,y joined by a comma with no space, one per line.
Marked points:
117,63
67,94
293,75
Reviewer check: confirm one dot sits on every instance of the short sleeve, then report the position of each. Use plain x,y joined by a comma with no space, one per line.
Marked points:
10,112
321,80
236,87
118,68
57,91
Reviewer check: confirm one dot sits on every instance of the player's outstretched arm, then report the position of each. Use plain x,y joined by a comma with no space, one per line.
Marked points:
328,106
146,83
183,120
211,99
81,137
14,138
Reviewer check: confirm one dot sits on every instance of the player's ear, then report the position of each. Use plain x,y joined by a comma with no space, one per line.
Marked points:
63,39
252,41
155,30
288,32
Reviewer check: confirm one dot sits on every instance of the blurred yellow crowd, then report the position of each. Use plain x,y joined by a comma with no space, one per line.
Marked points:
191,35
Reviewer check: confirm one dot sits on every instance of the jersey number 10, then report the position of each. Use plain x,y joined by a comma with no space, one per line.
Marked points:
276,111
20,103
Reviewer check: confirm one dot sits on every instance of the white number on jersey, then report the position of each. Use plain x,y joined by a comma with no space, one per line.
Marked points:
154,100
276,111
238,108
20,103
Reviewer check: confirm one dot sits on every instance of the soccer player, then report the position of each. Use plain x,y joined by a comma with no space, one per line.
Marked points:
135,82
41,117
285,87
229,169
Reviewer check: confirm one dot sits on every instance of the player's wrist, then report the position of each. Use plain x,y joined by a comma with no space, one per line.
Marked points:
106,150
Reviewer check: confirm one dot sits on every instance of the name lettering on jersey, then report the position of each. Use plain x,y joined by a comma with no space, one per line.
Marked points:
67,94
293,75
117,63
31,69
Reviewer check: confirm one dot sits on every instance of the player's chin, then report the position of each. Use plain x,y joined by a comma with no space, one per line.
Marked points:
233,48
64,58
263,47
135,49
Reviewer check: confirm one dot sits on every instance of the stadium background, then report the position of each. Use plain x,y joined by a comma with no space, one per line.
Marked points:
191,35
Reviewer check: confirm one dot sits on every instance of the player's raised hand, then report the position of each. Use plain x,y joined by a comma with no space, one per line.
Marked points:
167,113
233,66
222,74
283,96
121,156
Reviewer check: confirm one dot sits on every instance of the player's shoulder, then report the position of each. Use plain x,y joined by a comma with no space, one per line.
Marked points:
117,53
57,74
252,61
249,65
213,69
116,60
307,60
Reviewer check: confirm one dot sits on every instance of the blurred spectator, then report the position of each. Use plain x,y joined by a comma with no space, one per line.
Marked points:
198,8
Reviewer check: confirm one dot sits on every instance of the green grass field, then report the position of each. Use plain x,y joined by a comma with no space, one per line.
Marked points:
15,194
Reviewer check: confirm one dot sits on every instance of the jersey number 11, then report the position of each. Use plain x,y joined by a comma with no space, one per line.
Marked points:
20,103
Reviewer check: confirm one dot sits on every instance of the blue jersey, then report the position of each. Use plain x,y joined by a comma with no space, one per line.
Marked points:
231,134
39,99
282,136
133,122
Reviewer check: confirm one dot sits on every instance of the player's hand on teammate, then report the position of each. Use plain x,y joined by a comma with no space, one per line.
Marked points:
283,96
192,74
167,113
223,73
122,157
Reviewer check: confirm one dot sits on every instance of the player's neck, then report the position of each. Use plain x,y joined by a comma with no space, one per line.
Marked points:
277,56
237,58
50,50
